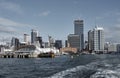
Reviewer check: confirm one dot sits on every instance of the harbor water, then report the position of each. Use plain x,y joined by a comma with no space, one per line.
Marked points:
83,66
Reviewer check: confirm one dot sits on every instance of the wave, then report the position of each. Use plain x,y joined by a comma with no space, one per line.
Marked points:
98,69
101,73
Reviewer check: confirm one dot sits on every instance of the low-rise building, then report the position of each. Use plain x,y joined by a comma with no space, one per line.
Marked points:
112,48
69,50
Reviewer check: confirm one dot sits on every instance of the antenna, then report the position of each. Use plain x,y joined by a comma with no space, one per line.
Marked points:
95,23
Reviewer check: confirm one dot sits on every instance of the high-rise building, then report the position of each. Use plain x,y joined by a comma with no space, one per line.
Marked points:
86,45
26,38
106,45
118,48
40,41
58,44
90,40
98,39
74,41
34,35
66,43
79,30
51,41
15,43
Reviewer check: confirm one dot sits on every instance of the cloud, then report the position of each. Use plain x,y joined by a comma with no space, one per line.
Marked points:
99,17
117,13
11,27
75,2
108,14
112,34
111,26
11,7
45,13
7,22
7,30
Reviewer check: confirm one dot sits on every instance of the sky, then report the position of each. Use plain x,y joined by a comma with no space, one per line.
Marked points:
56,18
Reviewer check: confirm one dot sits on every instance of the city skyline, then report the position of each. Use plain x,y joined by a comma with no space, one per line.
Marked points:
56,17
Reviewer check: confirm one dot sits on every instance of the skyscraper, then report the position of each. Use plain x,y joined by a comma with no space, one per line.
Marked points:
74,41
79,30
98,39
90,40
58,44
51,41
40,41
66,43
34,35
26,38
15,43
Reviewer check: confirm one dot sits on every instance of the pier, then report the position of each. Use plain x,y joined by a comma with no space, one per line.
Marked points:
30,51
27,55
14,56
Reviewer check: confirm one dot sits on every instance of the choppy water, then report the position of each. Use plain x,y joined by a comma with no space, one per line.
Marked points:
83,66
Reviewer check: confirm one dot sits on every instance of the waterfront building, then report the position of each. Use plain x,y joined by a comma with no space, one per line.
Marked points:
90,40
112,47
15,43
34,35
46,44
51,41
39,39
118,48
74,41
26,38
79,30
66,43
69,50
58,44
106,45
98,39
2,49
86,45
23,43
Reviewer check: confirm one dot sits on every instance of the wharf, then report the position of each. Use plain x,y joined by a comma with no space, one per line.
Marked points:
27,55
14,56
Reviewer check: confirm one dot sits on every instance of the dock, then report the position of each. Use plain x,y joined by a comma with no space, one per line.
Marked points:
14,56
27,55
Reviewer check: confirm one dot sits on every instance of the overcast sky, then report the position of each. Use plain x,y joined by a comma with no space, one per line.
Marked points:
55,17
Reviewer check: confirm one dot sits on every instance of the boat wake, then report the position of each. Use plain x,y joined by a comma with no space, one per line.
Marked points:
99,69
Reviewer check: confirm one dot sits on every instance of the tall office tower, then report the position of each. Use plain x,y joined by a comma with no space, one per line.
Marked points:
51,41
15,43
58,44
26,38
98,39
106,45
74,41
40,41
90,40
79,30
34,35
66,43
118,48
